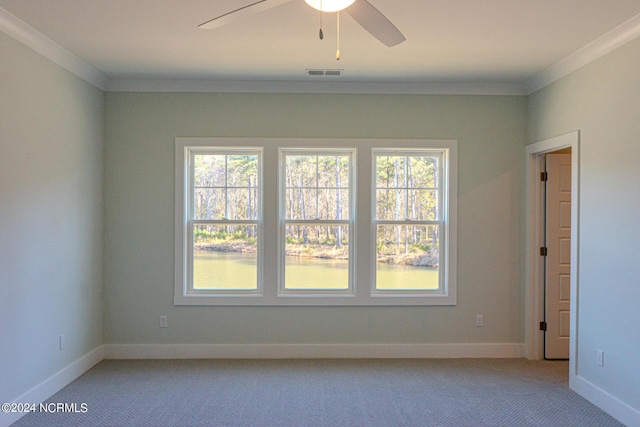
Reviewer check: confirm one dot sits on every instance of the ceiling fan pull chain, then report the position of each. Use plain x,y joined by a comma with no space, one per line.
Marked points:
321,12
338,36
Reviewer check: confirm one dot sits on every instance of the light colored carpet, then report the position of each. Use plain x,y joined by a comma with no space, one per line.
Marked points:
452,392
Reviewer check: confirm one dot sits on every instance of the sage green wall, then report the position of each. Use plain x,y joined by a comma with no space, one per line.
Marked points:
602,101
139,215
51,222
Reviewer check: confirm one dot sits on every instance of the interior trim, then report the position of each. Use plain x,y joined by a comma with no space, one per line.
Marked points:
55,383
37,41
306,86
534,292
605,401
601,46
307,351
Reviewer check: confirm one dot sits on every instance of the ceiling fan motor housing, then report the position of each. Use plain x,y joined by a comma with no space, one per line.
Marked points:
329,5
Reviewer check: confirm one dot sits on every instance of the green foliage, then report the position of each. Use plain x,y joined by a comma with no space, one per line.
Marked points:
420,247
330,241
291,240
202,235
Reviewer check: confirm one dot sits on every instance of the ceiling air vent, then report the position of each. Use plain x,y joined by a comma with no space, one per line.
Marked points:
321,72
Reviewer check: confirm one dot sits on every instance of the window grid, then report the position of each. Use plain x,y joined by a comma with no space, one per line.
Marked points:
193,222
289,222
402,225
227,189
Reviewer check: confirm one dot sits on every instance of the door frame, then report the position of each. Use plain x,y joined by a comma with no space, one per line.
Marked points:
534,238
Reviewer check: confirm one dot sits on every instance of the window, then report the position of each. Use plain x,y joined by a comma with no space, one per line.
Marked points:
223,225
408,221
305,222
316,221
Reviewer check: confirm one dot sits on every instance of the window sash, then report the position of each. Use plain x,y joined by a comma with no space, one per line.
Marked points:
192,290
322,289
220,151
285,222
441,270
440,176
192,222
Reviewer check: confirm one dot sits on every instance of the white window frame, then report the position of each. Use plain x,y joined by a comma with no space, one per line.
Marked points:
362,273
283,221
442,221
186,221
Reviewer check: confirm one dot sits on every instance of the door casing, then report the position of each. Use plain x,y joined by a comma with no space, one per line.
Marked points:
534,238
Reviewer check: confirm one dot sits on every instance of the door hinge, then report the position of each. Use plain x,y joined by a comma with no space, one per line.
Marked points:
543,326
543,251
544,176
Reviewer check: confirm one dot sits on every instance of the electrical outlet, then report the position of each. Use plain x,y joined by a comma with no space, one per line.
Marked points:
600,358
61,342
163,321
479,320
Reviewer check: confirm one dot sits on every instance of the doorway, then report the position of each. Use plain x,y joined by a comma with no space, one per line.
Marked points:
537,308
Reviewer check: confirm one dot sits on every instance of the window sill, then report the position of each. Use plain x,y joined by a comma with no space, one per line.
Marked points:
315,300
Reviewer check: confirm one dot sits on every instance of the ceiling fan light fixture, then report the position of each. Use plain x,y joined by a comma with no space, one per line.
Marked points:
329,5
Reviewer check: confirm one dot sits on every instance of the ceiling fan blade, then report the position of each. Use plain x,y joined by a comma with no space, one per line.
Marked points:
241,12
372,20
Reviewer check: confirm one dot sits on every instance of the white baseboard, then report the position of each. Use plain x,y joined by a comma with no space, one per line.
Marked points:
54,383
306,351
615,407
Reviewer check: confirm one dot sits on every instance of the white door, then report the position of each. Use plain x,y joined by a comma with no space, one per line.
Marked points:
558,259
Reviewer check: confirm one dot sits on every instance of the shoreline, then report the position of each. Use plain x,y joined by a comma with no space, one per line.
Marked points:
322,252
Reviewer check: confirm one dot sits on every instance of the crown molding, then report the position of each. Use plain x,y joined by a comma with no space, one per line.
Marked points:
24,33
601,46
306,86
29,36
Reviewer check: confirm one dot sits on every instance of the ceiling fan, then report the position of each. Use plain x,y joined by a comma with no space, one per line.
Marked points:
364,13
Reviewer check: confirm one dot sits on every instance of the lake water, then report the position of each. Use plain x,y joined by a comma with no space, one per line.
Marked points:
232,270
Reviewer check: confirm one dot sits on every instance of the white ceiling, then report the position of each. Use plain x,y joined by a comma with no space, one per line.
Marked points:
448,41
